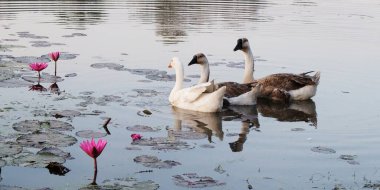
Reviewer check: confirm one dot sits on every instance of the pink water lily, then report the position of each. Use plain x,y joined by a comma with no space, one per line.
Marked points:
38,66
136,137
93,149
55,56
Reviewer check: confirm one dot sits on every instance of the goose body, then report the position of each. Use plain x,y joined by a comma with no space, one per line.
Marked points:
202,97
280,86
236,93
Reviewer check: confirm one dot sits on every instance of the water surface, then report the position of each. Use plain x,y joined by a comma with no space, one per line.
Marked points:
285,147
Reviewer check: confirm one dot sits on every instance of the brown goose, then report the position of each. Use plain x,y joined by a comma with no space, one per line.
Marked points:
280,86
236,93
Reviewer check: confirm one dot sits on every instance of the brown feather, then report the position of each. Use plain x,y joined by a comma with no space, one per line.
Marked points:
234,89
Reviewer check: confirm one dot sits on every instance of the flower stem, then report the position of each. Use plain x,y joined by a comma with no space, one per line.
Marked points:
95,172
55,70
39,76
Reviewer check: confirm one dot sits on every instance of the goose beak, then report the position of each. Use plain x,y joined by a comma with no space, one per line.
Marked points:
239,45
193,61
170,65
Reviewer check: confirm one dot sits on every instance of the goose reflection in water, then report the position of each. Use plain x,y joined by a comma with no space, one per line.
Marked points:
207,123
248,116
292,112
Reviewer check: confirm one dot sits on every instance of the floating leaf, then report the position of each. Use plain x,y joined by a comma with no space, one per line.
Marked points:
146,159
142,128
112,66
8,149
189,135
162,143
2,163
167,164
347,157
37,161
323,150
55,151
192,180
35,125
65,113
90,134
44,139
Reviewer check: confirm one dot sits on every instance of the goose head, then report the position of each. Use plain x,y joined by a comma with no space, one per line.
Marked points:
174,62
199,58
242,44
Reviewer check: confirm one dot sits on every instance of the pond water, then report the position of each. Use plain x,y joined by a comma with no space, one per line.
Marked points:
114,65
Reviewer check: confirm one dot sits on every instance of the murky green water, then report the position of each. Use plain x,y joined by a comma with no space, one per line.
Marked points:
331,141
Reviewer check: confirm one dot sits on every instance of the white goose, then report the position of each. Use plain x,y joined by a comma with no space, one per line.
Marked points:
280,86
236,93
196,98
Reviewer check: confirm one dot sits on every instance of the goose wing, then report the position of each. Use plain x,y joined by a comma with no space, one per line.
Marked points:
234,89
194,92
287,81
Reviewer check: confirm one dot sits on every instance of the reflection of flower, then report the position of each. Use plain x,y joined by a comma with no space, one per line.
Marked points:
136,137
55,56
94,150
38,66
37,87
54,88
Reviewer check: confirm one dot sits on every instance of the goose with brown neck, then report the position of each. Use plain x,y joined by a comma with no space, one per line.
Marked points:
236,93
280,86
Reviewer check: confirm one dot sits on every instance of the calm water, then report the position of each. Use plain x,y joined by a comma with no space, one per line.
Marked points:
340,38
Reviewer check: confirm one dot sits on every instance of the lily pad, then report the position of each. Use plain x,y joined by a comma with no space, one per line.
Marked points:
192,180
2,163
167,164
31,59
129,184
297,129
30,35
146,159
207,146
142,128
55,151
323,150
146,92
14,83
65,113
74,34
62,56
44,43
7,187
8,149
112,66
239,65
43,139
347,157
71,75
28,126
90,134
37,161
162,143
189,135
45,78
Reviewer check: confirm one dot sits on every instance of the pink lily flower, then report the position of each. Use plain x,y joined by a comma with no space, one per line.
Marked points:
93,149
55,56
136,137
38,67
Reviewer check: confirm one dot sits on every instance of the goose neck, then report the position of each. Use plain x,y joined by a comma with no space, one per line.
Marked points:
248,66
205,73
